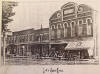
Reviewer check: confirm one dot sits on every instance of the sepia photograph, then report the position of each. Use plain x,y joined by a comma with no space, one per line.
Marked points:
48,33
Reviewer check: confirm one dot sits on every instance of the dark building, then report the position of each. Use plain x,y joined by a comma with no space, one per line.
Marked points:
27,42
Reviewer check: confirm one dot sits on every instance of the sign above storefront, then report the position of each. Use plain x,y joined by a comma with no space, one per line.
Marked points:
79,45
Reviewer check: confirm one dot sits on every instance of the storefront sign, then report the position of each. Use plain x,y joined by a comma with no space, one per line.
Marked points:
80,45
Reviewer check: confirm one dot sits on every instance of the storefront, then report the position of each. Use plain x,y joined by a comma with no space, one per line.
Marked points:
39,50
57,49
79,50
10,50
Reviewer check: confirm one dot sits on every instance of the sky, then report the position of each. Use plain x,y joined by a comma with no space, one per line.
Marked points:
33,13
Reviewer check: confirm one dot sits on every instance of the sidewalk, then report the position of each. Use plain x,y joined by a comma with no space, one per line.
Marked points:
30,61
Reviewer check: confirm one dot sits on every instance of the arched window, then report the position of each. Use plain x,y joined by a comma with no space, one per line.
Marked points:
80,22
59,26
89,21
68,24
73,24
89,27
53,27
65,25
73,29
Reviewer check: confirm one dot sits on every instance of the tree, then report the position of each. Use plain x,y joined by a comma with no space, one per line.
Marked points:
7,12
7,7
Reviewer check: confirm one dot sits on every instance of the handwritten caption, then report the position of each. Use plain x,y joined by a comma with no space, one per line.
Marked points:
52,70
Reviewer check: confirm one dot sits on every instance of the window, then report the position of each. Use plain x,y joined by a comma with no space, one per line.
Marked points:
65,32
33,37
68,25
52,35
89,21
73,24
73,29
59,26
30,37
65,25
80,22
89,27
58,33
53,27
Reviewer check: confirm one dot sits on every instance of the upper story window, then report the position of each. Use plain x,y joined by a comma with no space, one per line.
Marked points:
53,27
68,25
30,37
59,26
80,22
65,25
89,21
73,24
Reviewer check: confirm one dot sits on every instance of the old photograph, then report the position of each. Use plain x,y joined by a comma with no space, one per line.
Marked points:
43,33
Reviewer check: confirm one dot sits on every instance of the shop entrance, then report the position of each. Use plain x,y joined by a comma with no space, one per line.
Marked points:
76,54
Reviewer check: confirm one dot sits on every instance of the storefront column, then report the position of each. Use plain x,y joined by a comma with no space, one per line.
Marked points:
79,55
95,35
27,50
19,50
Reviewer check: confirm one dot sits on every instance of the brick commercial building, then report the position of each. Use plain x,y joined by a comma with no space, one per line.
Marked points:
70,36
73,24
27,42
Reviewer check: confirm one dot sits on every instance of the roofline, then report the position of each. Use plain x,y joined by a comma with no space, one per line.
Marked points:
54,13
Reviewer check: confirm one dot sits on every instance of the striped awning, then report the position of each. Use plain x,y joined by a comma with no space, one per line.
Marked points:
79,45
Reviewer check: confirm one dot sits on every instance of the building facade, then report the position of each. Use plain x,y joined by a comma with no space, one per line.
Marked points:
27,42
73,24
70,35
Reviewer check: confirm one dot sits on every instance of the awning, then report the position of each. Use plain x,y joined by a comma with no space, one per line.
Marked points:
10,45
58,44
40,43
79,45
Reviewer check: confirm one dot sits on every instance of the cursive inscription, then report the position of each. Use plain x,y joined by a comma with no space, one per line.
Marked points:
52,70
